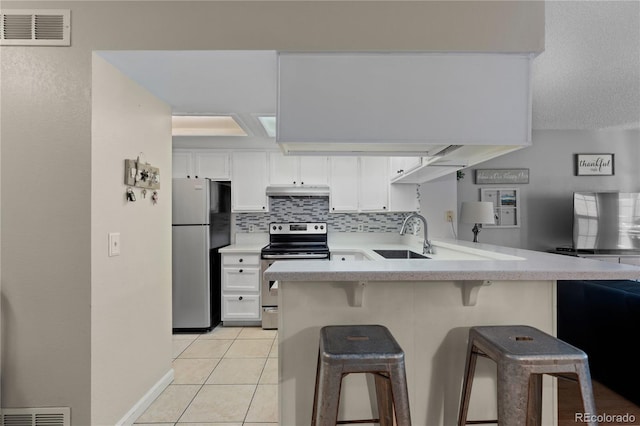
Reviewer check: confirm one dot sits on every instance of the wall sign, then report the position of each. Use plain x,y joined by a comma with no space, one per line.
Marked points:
509,176
594,165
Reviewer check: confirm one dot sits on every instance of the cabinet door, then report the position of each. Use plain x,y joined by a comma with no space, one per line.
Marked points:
343,174
283,169
182,164
249,182
403,165
314,170
374,184
212,165
239,307
403,197
240,279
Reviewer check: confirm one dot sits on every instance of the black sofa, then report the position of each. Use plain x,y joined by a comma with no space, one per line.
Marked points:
603,319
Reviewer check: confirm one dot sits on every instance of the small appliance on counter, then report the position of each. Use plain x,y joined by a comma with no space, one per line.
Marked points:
201,226
289,241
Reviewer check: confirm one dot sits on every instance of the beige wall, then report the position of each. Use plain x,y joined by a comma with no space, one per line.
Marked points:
48,212
130,293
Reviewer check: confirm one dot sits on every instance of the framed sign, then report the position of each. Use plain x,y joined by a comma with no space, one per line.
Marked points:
506,206
594,165
502,176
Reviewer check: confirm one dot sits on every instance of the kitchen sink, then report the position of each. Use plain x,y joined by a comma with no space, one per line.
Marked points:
400,254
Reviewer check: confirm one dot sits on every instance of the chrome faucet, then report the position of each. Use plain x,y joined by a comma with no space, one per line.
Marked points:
427,248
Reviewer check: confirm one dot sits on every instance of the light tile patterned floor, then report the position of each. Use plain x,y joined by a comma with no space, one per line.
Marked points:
227,377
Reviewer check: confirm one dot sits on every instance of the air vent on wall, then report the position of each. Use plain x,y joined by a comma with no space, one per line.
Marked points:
46,416
35,27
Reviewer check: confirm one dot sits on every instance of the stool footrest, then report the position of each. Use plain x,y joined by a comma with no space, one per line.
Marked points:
481,422
349,422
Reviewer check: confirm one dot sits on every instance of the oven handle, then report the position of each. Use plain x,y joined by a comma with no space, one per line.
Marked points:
294,256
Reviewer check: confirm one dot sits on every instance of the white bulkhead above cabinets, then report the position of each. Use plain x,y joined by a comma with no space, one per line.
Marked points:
403,103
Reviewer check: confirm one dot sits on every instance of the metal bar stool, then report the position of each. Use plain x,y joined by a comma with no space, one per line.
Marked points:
346,349
523,354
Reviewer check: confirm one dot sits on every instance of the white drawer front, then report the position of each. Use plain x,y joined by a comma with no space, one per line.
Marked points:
241,279
241,307
241,259
344,257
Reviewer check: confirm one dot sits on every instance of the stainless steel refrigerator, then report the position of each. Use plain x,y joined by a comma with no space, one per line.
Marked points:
201,226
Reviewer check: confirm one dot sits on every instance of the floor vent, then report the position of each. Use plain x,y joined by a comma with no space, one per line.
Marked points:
49,416
41,27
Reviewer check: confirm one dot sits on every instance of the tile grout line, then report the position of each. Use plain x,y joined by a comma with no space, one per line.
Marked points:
257,384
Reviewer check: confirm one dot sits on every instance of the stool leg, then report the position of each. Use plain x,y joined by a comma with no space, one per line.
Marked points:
586,390
315,393
534,407
400,394
467,382
330,382
513,391
384,399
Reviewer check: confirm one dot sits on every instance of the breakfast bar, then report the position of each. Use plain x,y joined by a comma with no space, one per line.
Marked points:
428,305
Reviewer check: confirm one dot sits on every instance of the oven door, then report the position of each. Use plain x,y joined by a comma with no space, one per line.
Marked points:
269,289
268,293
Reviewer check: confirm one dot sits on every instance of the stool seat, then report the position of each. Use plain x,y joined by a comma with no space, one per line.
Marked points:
346,349
359,343
523,354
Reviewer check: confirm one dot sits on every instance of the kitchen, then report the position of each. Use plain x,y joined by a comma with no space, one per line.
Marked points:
120,285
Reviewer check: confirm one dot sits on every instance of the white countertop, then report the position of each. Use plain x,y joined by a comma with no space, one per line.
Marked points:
454,260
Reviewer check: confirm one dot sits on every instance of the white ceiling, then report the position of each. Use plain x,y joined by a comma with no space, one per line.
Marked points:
588,77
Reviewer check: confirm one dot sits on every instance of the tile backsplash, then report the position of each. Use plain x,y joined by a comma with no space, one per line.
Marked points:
316,209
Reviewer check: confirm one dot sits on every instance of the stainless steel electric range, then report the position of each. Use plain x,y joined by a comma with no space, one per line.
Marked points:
289,241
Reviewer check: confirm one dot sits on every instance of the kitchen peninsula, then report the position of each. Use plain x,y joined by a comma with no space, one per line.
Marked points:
428,305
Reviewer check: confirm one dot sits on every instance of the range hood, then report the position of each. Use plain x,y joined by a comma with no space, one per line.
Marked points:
297,190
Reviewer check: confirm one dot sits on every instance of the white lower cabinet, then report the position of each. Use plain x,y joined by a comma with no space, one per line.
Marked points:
240,286
240,307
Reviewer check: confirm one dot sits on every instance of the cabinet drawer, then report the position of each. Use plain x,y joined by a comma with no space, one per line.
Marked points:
241,279
241,307
241,259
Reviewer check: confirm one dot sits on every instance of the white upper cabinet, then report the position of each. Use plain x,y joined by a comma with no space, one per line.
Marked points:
314,170
249,181
212,165
402,102
182,164
283,169
344,184
374,184
361,184
297,170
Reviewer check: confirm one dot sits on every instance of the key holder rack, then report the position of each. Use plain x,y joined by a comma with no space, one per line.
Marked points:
141,175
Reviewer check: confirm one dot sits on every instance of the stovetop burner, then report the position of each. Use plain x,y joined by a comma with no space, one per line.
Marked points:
297,239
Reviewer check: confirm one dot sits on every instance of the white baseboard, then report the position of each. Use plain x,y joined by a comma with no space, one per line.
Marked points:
144,402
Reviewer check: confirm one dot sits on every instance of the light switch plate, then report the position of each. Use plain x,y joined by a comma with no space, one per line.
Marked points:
114,244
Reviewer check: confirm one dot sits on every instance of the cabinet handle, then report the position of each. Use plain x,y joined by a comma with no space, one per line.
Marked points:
240,298
384,207
333,208
188,177
344,258
240,271
240,260
301,183
262,207
294,182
